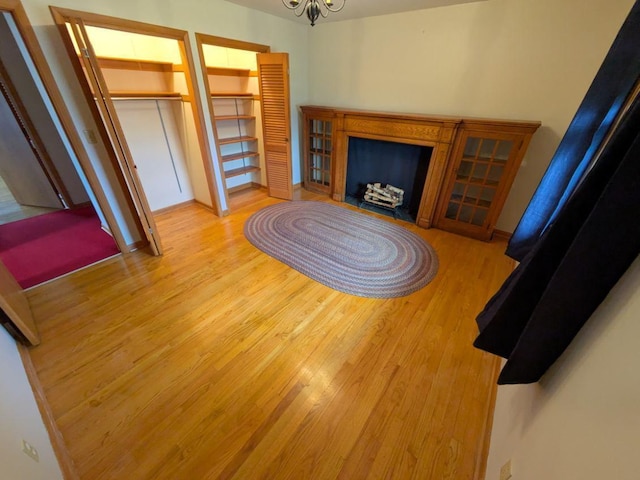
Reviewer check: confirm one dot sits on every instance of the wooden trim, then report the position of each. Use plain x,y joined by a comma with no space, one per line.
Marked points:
171,208
60,450
244,186
186,52
136,65
143,94
502,235
117,138
208,207
121,24
200,40
480,470
230,43
228,72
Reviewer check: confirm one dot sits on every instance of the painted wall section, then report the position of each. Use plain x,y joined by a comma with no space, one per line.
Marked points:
513,59
20,419
582,420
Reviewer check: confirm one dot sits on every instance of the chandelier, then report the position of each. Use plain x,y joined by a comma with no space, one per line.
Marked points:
313,8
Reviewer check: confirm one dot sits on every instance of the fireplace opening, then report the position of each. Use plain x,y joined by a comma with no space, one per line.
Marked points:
402,165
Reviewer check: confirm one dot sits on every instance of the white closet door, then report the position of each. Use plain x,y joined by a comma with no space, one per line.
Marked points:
154,139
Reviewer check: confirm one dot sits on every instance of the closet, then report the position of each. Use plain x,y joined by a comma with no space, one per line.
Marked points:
232,76
250,106
146,81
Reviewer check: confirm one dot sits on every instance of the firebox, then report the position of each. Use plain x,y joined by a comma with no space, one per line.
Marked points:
401,165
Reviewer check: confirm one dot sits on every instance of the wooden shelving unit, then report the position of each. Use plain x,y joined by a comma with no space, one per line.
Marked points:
235,131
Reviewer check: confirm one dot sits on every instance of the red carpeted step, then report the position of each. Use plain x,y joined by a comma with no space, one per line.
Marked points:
40,248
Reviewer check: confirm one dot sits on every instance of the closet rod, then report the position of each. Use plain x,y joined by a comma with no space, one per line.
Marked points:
147,98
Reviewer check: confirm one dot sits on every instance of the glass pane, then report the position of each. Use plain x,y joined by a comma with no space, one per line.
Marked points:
465,168
458,191
479,216
472,195
504,150
327,145
486,196
465,214
495,174
327,178
327,128
487,148
452,210
471,147
479,172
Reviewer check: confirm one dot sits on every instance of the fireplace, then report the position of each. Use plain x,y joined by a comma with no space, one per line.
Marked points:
429,138
402,165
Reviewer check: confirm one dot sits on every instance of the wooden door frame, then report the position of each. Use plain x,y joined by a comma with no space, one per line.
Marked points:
60,17
205,39
19,16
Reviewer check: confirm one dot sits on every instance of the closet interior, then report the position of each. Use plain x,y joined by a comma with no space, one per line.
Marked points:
146,80
232,75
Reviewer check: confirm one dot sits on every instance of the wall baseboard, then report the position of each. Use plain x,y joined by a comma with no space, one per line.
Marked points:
65,461
502,235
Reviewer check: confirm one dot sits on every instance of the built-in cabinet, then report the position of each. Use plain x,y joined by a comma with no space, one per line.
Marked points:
484,162
471,169
318,148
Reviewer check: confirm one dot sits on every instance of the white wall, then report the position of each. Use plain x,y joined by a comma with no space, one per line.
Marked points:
20,419
214,17
514,59
582,420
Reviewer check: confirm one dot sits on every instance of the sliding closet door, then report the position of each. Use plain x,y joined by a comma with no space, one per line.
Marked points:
273,74
115,132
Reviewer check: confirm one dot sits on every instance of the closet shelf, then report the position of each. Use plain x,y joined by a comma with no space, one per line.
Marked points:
231,95
230,140
235,117
240,171
143,94
238,156
229,72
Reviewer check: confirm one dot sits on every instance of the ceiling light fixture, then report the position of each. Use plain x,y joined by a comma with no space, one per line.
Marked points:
313,8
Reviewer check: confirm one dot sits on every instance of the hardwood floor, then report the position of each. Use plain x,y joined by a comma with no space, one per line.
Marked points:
217,361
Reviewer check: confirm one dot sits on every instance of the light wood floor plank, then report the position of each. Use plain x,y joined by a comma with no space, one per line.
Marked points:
217,361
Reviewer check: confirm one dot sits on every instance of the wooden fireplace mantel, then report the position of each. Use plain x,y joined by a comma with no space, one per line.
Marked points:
442,133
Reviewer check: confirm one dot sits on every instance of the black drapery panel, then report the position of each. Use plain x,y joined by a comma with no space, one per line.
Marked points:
579,258
575,245
610,87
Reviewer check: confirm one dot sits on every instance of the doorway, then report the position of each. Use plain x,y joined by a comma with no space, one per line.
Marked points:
41,187
137,79
248,90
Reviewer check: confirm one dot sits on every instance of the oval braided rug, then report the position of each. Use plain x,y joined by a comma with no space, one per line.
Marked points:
342,249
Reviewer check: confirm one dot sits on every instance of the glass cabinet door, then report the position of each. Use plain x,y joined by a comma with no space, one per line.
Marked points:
320,146
477,178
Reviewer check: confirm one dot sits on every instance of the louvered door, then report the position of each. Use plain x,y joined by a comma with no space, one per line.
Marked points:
273,73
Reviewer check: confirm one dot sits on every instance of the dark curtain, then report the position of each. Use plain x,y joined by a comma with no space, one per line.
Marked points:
586,238
601,104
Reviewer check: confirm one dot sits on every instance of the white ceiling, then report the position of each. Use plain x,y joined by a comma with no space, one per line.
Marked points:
353,8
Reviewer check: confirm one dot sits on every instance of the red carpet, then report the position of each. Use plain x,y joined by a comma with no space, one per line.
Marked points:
40,248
